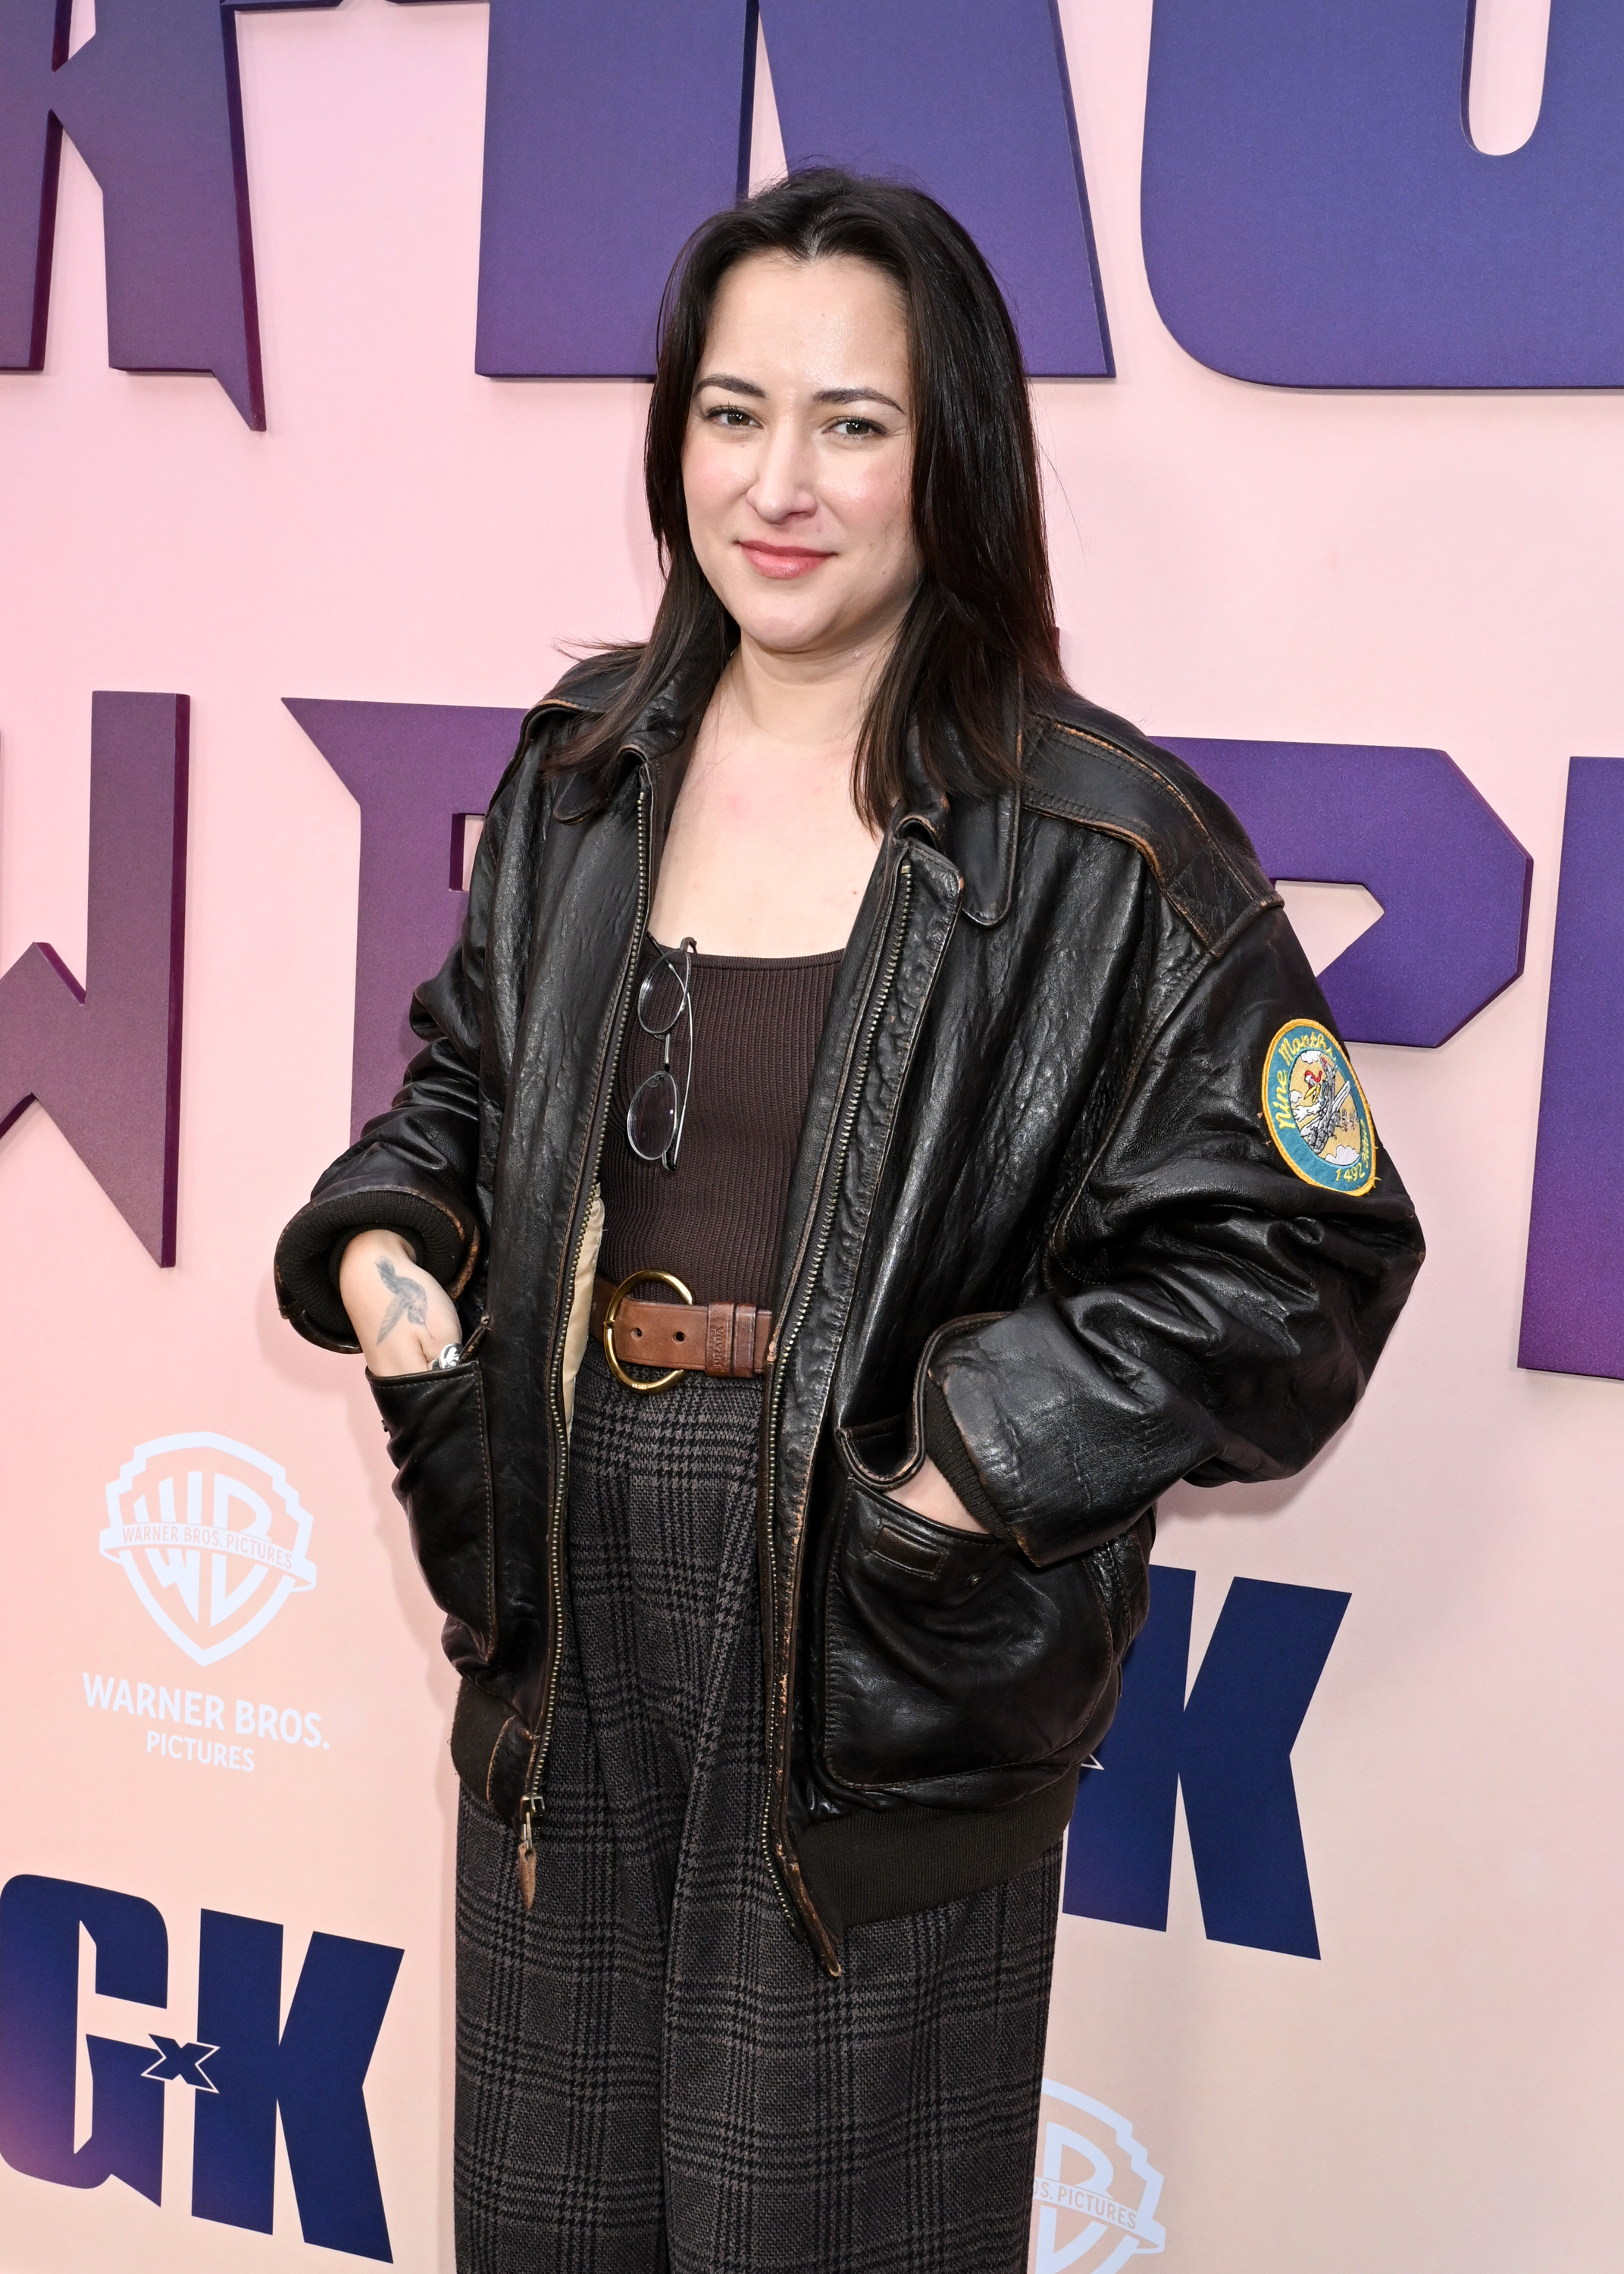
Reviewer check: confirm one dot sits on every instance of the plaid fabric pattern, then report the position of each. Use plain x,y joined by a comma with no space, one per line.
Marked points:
653,2073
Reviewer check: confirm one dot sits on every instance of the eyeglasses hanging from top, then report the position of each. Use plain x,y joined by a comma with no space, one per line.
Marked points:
655,1117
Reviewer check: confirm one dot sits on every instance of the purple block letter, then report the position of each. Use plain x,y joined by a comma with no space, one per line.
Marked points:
1315,215
152,104
1406,824
614,127
415,770
974,104
1573,1293
104,1059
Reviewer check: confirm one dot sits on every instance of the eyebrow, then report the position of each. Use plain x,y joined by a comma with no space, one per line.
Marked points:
854,395
737,385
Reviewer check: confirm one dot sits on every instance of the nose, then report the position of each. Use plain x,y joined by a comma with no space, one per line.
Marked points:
782,490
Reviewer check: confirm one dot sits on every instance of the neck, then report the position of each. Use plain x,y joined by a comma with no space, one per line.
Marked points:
810,702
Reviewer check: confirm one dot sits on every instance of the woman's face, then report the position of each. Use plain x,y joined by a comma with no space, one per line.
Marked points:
798,464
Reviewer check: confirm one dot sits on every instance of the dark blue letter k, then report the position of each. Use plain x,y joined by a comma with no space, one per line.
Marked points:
1230,1749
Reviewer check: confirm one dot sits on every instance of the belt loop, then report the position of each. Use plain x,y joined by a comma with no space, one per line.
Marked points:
719,1337
744,1338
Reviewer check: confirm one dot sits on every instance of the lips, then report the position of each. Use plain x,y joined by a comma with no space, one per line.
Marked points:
783,561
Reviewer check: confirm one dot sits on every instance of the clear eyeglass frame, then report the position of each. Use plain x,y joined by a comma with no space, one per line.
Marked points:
657,1113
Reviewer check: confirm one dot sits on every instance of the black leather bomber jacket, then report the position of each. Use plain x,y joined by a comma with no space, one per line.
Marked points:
1037,1225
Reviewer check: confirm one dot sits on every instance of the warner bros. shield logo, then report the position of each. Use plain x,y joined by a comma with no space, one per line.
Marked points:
212,1537
1095,2193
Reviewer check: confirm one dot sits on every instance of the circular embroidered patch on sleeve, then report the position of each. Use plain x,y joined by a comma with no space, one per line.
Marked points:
1316,1110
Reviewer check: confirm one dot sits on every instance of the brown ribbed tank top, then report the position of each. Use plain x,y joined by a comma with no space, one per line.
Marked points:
717,1218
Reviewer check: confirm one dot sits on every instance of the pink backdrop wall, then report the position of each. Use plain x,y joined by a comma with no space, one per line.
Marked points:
1441,2088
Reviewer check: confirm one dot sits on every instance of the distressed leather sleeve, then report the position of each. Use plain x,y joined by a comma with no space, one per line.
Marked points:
1212,1315
414,1169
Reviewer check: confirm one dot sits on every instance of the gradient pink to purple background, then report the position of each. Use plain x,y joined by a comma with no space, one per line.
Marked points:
1233,562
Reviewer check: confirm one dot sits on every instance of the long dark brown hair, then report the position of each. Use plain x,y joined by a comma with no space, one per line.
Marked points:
979,635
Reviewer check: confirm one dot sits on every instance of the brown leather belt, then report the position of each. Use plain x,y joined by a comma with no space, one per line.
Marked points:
724,1339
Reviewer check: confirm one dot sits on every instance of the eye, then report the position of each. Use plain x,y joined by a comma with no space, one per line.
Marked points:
730,415
854,429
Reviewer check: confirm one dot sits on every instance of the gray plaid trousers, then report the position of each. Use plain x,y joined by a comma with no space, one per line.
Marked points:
653,2073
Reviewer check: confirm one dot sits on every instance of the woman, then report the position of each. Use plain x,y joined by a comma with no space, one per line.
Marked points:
916,1023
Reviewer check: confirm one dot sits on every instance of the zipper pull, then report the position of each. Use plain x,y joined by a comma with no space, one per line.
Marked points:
530,1808
477,1335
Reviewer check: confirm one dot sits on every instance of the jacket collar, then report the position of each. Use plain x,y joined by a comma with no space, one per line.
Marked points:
660,730
978,835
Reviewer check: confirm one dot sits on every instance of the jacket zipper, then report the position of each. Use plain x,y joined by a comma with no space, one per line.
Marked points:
530,1803
829,1200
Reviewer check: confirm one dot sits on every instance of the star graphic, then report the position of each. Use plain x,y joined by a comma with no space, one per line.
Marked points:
179,2064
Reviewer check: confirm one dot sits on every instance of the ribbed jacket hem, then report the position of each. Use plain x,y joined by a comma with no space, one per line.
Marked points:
879,1864
876,1864
489,1749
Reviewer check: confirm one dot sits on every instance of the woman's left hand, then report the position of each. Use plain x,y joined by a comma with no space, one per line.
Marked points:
929,1493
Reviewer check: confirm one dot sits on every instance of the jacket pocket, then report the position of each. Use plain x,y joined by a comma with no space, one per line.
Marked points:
952,1670
435,1427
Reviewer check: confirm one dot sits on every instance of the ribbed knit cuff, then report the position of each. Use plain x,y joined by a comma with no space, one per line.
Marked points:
947,1448
312,1247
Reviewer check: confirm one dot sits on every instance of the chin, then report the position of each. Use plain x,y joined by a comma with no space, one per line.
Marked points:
784,627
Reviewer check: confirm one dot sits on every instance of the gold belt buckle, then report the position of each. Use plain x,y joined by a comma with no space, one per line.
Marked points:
637,1279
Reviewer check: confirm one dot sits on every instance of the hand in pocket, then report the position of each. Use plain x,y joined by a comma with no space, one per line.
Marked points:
929,1493
402,1315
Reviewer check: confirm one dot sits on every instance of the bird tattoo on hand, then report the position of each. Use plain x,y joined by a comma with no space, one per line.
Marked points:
408,1300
